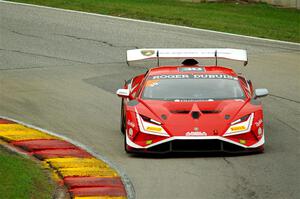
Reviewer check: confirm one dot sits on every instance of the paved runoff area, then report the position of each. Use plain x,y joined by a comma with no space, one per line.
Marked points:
84,176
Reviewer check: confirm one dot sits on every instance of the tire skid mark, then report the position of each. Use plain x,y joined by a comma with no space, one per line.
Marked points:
59,66
84,175
101,42
25,34
46,56
284,98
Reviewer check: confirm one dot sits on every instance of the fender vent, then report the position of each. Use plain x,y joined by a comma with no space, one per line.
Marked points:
202,111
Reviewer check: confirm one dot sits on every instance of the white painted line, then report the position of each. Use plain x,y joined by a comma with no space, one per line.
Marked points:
151,22
125,179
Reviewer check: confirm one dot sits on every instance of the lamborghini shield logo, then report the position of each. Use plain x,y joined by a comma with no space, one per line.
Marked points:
148,52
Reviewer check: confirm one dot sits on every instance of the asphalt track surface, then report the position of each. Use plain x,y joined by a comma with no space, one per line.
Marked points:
59,71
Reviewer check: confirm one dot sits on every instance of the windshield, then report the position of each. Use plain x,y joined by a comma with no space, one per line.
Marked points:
192,87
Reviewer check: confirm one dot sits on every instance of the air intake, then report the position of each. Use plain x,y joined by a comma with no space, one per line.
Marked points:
210,111
195,114
180,111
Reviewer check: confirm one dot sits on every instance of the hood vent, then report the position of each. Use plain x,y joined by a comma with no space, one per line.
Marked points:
202,111
180,111
210,111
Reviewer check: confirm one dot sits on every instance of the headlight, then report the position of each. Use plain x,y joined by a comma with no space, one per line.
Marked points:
150,126
242,125
147,119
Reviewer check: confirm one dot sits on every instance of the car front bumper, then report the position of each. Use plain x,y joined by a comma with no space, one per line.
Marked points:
196,144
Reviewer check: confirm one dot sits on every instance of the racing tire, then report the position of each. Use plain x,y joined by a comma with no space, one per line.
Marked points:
125,144
261,149
122,120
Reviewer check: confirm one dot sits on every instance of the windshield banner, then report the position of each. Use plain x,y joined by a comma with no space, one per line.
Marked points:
194,76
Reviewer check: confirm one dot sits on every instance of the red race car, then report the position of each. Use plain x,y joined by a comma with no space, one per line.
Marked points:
190,107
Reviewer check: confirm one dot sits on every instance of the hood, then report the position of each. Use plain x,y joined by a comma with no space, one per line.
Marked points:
188,118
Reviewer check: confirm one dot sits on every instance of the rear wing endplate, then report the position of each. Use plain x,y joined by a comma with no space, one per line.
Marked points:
200,53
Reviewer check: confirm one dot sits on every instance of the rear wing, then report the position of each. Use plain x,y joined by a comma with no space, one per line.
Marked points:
200,53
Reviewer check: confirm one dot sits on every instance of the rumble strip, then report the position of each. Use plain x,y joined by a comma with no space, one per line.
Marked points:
84,175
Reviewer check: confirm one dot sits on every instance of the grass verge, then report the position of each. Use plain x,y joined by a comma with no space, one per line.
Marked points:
22,178
253,19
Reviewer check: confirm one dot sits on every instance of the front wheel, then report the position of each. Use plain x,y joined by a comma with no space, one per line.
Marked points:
125,144
122,120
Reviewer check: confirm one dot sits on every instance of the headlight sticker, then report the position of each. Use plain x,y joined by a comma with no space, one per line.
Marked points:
154,128
150,128
238,127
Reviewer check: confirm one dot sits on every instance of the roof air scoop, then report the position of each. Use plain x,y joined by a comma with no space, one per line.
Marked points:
189,62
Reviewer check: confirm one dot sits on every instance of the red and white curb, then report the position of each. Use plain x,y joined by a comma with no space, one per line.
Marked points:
85,174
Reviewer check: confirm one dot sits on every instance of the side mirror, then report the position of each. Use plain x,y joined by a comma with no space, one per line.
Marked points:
260,92
123,93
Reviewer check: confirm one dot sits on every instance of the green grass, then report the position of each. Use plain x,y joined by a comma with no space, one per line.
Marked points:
22,178
255,19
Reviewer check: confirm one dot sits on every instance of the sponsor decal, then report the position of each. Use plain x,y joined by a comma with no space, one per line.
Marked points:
258,123
237,128
130,123
178,76
154,128
193,100
214,76
148,53
152,83
197,133
194,76
191,69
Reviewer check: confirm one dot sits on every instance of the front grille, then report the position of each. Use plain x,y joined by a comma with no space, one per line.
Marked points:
196,146
232,147
162,148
